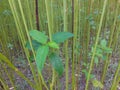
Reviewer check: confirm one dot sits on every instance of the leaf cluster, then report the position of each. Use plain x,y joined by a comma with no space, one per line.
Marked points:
42,46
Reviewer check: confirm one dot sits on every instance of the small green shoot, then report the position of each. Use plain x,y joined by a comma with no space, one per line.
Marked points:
42,46
101,51
97,84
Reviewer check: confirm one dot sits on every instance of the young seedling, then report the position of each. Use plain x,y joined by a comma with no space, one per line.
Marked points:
44,48
101,51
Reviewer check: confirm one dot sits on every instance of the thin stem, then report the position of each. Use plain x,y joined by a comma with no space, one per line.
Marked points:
114,84
97,38
50,27
4,59
65,17
110,43
37,16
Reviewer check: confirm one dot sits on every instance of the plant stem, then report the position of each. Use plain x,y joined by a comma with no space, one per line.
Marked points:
97,38
50,27
65,16
37,15
114,83
75,30
109,45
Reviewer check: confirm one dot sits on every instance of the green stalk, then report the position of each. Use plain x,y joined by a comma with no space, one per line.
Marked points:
37,16
97,39
29,14
50,27
52,16
65,17
43,81
5,86
8,75
49,19
6,60
22,38
115,83
75,30
110,43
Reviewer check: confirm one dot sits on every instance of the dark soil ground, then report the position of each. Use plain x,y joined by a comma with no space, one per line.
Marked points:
21,63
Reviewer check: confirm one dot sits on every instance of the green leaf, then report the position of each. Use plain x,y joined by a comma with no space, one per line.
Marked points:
60,37
103,43
97,83
41,55
99,52
31,58
38,36
108,50
35,45
56,62
86,74
96,60
53,45
104,57
84,64
92,76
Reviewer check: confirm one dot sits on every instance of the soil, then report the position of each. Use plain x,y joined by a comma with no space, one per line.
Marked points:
21,63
